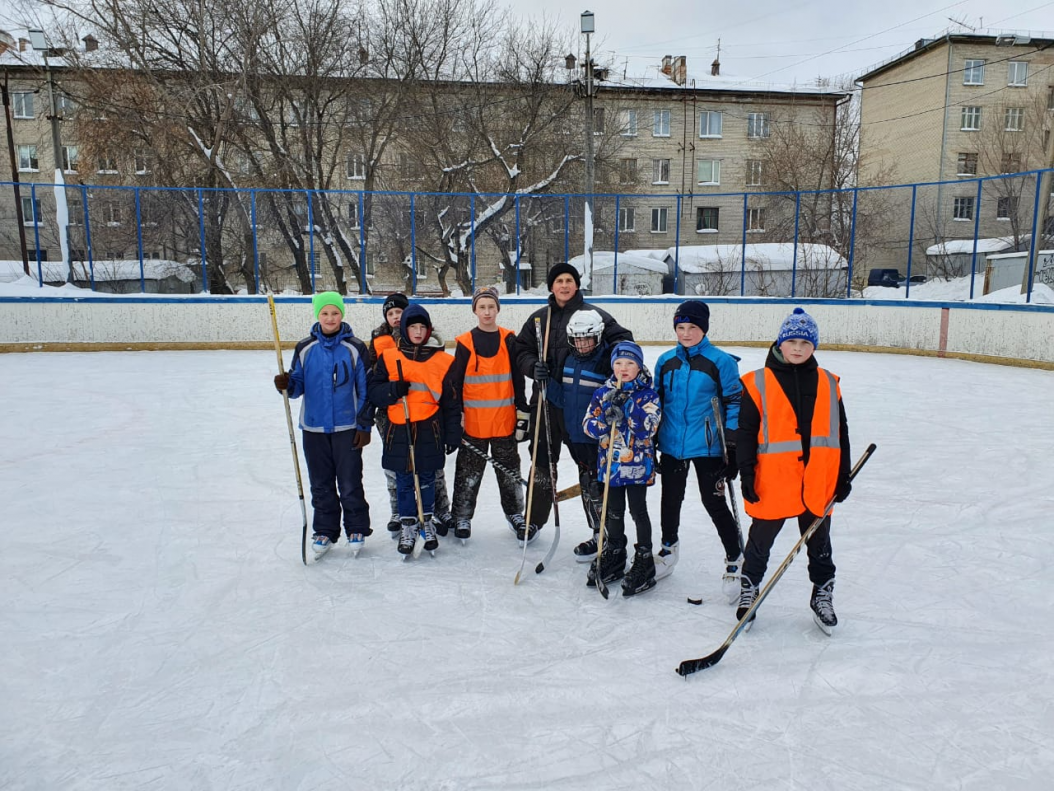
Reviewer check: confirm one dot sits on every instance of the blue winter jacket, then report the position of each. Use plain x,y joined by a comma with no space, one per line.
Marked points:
579,379
634,460
330,372
686,380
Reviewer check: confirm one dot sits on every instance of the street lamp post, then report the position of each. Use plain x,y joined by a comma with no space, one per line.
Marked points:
39,42
589,28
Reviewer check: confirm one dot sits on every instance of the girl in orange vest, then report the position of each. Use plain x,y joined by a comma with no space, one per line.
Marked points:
793,457
435,420
495,413
386,336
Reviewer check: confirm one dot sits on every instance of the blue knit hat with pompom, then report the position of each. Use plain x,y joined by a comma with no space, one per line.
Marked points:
799,324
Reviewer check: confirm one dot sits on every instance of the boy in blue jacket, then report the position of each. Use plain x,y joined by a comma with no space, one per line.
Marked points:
688,378
627,405
329,371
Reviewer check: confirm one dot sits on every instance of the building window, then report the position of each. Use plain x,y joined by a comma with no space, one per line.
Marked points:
353,214
598,120
27,158
1006,208
710,123
755,220
967,165
706,218
971,119
142,162
30,210
629,123
408,168
757,125
626,220
1017,74
112,213
75,209
708,171
973,73
660,125
660,171
356,167
627,171
1015,119
107,163
962,209
1050,98
66,105
658,220
1010,163
69,159
755,172
22,103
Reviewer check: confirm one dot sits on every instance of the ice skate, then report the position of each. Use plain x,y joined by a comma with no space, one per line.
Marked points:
641,575
666,560
748,593
730,579
428,534
407,535
443,523
822,604
612,566
320,545
394,528
463,530
587,550
355,543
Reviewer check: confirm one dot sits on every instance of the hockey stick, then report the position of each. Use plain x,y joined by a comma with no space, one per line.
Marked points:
689,666
715,403
418,541
533,475
552,464
604,513
569,493
292,433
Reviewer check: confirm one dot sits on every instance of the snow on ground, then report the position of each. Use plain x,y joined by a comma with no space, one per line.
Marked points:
159,630
958,290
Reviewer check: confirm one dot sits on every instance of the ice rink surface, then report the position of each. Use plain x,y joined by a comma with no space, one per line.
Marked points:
160,632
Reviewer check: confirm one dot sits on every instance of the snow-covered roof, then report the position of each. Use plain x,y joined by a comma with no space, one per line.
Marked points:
604,259
1018,254
658,253
959,246
105,270
654,79
771,256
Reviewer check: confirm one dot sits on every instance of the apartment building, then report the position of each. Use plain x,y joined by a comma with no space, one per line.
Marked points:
675,155
951,109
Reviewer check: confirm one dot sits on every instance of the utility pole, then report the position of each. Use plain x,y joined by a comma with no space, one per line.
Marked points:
588,27
19,218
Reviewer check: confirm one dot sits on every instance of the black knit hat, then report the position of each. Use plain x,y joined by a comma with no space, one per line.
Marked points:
394,301
562,269
693,312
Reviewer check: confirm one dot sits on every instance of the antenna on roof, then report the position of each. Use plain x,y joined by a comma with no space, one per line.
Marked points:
960,23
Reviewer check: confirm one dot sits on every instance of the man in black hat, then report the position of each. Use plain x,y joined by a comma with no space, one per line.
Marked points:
565,300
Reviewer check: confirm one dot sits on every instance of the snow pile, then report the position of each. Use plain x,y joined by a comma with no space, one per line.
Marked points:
604,259
958,290
769,256
959,246
105,270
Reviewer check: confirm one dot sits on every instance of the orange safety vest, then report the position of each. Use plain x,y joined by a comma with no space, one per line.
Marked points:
488,395
785,485
426,383
382,343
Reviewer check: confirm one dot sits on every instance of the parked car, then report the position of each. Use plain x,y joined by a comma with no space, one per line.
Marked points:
890,278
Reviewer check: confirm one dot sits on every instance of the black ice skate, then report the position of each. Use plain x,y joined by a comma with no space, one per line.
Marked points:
822,604
612,566
641,575
407,535
587,550
748,593
428,534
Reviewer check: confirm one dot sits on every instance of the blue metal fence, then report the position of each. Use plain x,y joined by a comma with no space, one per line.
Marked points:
816,243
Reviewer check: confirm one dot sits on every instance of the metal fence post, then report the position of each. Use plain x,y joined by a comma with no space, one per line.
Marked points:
413,245
256,251
743,251
472,237
852,244
567,225
36,234
911,238
1034,241
139,241
87,232
311,240
614,274
362,244
976,233
201,233
516,199
677,242
794,254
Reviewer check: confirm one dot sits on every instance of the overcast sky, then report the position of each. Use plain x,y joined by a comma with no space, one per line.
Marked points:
769,40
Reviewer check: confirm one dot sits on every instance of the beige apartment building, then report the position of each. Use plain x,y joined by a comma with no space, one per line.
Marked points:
951,109
678,151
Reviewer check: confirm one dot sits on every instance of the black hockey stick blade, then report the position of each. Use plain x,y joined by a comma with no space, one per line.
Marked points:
689,666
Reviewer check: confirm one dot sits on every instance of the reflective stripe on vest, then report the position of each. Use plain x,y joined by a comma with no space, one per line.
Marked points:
488,396
426,383
785,485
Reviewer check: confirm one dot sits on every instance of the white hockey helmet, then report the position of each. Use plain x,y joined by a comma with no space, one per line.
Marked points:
583,332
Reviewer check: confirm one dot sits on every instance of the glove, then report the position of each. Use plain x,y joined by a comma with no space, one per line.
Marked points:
843,490
450,448
523,424
541,372
613,414
362,439
731,470
281,382
749,493
399,388
619,398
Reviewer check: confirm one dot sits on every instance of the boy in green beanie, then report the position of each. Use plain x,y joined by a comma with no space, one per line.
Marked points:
329,371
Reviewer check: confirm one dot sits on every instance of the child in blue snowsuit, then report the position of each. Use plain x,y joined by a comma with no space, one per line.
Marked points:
628,405
329,370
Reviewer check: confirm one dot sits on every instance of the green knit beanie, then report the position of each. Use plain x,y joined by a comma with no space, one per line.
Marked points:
319,301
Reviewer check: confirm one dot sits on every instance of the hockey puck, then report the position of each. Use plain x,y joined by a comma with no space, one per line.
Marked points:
694,601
